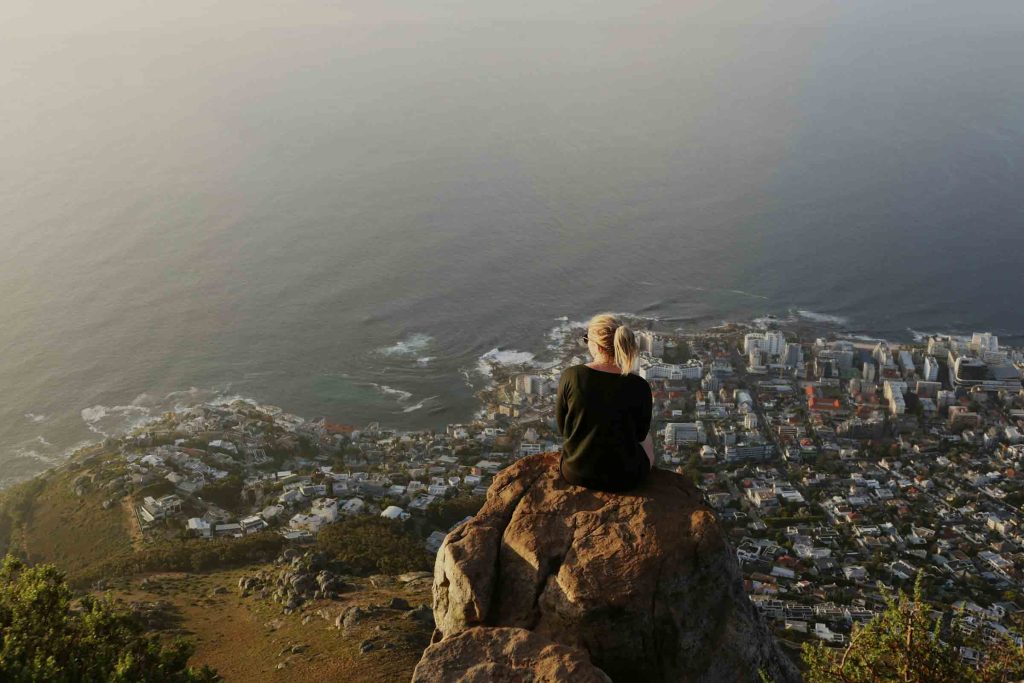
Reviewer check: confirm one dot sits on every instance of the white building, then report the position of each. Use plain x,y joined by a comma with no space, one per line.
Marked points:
772,343
198,527
310,523
931,369
651,370
650,343
685,432
894,391
354,506
395,512
252,524
326,509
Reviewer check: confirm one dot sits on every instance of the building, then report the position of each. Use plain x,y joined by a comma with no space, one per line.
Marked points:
198,527
326,509
395,512
533,385
650,343
931,369
310,523
772,343
893,392
354,506
744,452
685,432
252,524
651,370
153,509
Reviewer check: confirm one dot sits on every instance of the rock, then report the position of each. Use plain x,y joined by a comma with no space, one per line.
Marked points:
505,655
219,590
644,582
366,646
413,576
381,581
422,613
399,603
353,616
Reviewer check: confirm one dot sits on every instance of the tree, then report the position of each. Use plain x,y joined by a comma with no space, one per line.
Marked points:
226,492
901,645
370,545
44,636
445,512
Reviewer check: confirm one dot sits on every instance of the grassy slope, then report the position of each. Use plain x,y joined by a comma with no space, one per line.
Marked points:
44,520
243,638
73,532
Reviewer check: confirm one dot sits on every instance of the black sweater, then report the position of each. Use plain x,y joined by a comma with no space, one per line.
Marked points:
603,418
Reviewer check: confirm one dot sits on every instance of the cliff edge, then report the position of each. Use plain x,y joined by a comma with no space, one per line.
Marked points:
641,586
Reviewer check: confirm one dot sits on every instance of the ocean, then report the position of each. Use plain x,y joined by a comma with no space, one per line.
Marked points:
348,210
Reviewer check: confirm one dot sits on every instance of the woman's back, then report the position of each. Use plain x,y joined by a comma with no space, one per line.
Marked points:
603,417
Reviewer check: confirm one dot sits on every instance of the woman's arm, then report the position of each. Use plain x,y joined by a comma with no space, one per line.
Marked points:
561,406
648,445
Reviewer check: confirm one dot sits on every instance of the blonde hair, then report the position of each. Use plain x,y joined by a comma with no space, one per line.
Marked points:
608,332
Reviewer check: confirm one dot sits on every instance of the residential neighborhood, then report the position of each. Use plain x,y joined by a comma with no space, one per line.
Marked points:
843,469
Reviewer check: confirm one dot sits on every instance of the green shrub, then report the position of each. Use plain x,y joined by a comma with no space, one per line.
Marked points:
372,545
445,512
44,637
902,645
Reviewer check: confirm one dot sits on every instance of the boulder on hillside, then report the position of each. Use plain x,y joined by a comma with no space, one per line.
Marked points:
504,655
645,582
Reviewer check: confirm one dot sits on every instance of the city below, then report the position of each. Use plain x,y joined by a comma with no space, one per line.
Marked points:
842,469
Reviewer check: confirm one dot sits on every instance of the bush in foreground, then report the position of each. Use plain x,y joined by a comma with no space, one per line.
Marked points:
44,637
901,644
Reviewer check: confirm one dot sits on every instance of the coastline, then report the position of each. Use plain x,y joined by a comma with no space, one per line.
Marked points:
489,369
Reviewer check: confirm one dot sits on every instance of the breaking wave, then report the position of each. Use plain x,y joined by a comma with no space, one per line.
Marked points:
411,346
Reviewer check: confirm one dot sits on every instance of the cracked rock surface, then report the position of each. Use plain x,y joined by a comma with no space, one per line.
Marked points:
504,655
644,583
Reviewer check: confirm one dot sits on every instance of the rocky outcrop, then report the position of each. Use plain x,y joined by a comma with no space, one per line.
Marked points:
504,655
296,579
644,582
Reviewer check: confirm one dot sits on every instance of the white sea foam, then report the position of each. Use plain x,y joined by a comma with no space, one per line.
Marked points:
43,442
498,357
821,317
412,345
424,361
767,320
33,454
559,334
400,395
94,414
107,420
920,336
861,338
419,405
191,391
35,417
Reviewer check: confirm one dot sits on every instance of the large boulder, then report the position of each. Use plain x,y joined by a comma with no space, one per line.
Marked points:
644,582
504,655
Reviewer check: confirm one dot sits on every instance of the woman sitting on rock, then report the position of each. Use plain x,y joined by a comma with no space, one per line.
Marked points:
604,412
